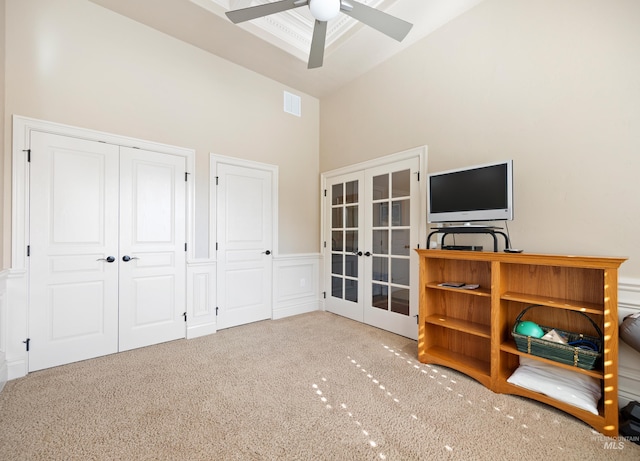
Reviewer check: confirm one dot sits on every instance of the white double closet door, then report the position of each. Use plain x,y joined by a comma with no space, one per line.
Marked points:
107,249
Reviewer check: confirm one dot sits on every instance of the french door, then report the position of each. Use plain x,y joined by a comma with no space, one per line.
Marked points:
372,226
107,257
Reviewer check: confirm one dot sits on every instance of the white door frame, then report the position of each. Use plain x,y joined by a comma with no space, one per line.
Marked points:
420,152
214,160
16,329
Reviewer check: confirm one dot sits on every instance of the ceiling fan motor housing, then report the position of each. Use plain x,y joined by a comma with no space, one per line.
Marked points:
324,10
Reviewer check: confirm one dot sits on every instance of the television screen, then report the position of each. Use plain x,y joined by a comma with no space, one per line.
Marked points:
478,193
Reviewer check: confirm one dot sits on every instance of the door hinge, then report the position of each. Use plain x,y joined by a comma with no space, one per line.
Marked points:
217,310
28,151
185,246
216,180
325,192
28,340
417,319
186,176
325,244
324,295
417,173
28,250
185,316
216,246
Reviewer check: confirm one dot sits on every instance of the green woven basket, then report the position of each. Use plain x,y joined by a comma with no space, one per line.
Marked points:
563,353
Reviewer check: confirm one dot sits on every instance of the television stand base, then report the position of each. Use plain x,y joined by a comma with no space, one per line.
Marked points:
469,230
463,247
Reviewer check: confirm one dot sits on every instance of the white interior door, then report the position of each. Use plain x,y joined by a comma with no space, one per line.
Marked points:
371,228
152,255
107,249
244,241
73,266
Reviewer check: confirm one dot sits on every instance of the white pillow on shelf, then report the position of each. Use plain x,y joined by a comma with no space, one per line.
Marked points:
564,385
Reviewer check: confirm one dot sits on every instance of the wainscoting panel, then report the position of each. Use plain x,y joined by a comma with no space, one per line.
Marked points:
296,284
201,298
629,358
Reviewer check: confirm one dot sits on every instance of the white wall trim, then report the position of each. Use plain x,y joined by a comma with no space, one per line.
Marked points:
296,284
201,298
628,358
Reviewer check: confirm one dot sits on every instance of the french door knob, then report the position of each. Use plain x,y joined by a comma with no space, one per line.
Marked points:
127,258
108,259
358,253
367,254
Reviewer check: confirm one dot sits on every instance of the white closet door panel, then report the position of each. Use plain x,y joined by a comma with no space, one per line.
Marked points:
245,238
153,236
73,310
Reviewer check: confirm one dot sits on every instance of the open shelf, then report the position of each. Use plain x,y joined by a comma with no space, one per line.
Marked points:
470,330
560,303
464,326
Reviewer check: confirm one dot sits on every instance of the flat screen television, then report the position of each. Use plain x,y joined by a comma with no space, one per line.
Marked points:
476,193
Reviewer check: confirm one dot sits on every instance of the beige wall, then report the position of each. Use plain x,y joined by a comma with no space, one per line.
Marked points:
73,62
553,85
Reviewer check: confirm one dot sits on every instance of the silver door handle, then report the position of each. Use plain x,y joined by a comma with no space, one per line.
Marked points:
108,259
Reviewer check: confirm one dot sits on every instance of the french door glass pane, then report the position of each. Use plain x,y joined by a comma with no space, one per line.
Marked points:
351,266
381,242
381,187
351,290
400,213
380,296
352,192
401,184
380,269
380,214
400,271
400,243
400,300
337,195
337,243
336,218
336,264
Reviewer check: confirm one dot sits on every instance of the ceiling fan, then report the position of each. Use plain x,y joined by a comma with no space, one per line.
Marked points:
322,11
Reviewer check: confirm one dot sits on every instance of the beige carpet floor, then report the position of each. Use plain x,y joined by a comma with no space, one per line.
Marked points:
310,387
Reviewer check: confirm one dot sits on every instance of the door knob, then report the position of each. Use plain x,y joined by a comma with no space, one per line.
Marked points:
358,253
127,258
108,259
367,254
266,252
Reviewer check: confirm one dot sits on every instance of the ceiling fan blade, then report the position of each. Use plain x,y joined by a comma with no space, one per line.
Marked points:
316,54
254,12
389,25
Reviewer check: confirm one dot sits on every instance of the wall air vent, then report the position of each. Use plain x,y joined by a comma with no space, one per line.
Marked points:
292,104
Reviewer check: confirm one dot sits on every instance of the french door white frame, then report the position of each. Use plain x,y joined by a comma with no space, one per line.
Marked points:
17,322
420,152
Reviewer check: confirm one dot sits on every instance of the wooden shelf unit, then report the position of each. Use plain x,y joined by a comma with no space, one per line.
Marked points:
470,330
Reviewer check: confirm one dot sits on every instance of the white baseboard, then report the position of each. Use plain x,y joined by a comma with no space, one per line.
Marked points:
296,309
4,371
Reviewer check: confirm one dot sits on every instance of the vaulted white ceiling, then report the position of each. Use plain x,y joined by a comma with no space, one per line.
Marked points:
277,46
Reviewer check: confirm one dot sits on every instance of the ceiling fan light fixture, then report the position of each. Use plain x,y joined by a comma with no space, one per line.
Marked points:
324,10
